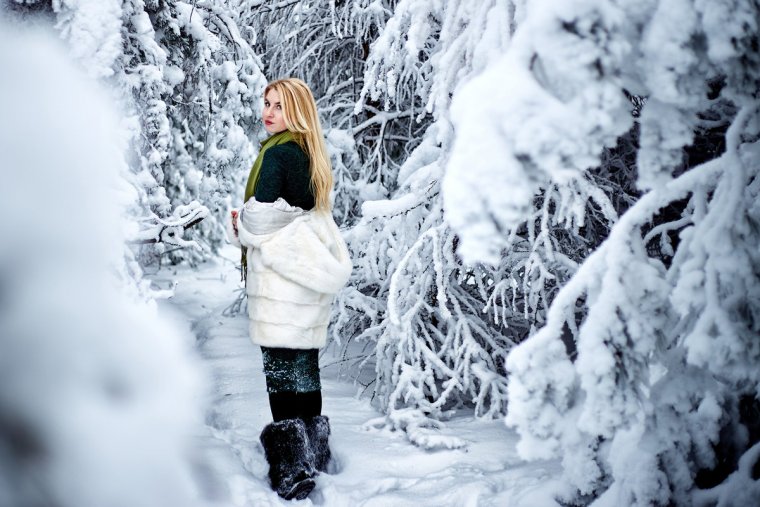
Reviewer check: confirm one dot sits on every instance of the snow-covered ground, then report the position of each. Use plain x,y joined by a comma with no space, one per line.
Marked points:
373,467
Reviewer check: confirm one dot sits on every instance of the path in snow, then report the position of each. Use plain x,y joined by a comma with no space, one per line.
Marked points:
375,467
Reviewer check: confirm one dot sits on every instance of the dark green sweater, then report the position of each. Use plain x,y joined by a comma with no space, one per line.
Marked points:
285,173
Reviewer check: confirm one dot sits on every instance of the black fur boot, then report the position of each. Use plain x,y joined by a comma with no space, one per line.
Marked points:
318,430
291,469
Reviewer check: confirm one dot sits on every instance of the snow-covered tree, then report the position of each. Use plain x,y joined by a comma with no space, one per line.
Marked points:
654,410
191,84
213,90
434,348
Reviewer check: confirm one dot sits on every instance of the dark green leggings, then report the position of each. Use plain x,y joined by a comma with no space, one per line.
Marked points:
293,382
291,405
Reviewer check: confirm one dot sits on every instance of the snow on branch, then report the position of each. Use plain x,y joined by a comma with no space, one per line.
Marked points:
171,230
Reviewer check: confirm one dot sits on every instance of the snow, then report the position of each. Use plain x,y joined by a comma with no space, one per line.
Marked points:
92,28
373,466
740,489
389,207
173,75
547,116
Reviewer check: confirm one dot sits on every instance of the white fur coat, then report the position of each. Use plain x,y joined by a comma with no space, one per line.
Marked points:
297,262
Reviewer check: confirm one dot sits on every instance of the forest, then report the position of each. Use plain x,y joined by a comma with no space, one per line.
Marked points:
552,209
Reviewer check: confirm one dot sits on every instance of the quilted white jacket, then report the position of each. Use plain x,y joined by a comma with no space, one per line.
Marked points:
297,262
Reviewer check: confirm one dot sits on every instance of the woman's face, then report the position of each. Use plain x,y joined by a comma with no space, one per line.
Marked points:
274,121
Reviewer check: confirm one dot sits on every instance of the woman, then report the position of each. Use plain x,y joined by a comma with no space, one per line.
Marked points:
294,263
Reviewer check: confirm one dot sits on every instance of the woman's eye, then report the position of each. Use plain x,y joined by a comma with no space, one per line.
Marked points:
279,107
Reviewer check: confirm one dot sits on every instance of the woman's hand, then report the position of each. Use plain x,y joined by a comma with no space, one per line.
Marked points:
234,214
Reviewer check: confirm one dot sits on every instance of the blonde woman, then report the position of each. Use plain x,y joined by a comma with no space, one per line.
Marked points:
294,262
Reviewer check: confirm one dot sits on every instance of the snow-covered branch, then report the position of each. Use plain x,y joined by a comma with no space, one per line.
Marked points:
170,231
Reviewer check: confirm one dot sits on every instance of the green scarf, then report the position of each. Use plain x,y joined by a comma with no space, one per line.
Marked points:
253,180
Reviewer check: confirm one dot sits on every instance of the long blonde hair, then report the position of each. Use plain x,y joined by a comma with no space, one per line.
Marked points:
299,111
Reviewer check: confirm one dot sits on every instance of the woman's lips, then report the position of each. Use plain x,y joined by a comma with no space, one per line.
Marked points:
267,122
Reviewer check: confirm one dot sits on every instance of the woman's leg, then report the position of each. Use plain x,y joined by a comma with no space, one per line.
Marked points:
289,405
283,405
293,383
286,442
309,404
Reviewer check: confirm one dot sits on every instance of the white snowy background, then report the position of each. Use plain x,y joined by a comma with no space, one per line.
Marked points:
552,208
